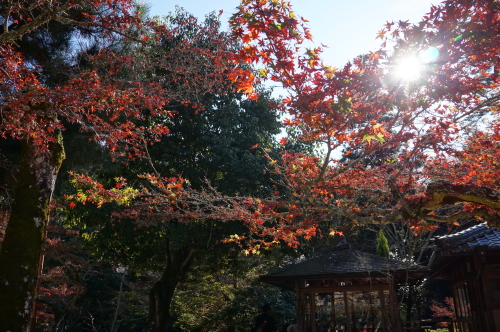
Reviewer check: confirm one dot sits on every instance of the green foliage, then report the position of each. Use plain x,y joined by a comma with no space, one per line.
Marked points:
215,144
230,301
295,142
382,244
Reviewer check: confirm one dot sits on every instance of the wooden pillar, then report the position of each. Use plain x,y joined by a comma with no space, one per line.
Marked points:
347,306
475,292
312,304
394,304
298,305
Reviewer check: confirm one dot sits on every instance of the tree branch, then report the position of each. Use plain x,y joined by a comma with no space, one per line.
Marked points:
97,25
45,17
444,193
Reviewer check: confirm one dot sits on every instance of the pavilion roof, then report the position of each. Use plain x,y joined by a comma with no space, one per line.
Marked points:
337,264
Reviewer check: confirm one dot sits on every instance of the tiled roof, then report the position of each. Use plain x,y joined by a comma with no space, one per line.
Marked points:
473,238
338,263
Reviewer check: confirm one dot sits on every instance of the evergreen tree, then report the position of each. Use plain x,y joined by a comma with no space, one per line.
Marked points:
382,244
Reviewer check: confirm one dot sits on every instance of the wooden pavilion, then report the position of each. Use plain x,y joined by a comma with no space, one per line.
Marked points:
346,290
471,261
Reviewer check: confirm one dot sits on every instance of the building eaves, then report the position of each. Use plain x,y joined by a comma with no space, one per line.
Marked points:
478,237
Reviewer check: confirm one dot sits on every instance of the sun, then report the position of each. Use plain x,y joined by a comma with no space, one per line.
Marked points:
408,68
412,66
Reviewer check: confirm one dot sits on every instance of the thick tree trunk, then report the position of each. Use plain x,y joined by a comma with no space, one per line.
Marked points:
25,234
160,296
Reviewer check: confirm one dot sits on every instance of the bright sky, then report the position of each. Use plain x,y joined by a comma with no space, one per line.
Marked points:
347,27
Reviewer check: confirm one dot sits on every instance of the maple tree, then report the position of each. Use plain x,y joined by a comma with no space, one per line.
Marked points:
435,135
106,98
444,310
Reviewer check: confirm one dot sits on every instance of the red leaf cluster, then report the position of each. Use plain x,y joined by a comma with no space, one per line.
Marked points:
391,149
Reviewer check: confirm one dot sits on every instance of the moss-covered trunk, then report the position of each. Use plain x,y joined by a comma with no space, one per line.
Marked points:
25,234
160,296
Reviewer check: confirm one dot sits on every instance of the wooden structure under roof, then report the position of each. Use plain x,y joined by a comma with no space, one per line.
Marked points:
346,290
